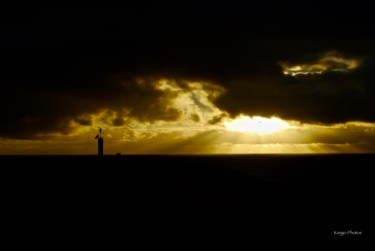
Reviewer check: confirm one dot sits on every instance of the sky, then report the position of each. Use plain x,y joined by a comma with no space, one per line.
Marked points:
205,77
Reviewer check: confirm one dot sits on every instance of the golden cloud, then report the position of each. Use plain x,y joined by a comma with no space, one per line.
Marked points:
331,61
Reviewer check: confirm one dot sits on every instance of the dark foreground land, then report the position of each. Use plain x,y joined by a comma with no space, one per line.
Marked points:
188,197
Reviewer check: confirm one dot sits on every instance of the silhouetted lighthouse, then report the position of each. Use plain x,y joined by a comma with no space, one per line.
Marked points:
100,142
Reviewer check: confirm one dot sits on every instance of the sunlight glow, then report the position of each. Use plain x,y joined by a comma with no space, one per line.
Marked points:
256,124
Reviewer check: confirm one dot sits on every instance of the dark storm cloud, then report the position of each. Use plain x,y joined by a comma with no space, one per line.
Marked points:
331,97
59,67
29,113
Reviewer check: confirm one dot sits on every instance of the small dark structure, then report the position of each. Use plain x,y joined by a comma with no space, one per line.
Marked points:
100,142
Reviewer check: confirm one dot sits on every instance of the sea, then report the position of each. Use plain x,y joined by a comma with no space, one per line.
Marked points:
216,198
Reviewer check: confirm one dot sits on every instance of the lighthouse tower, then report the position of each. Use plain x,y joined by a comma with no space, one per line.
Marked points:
100,142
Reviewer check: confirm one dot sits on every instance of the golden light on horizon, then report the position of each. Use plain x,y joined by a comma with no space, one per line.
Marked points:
256,124
201,127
